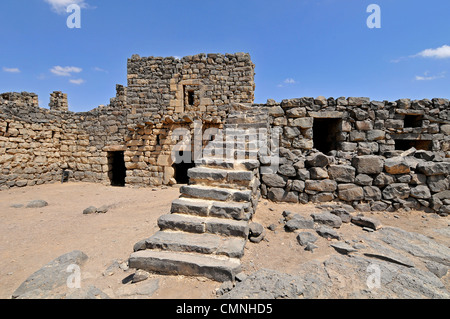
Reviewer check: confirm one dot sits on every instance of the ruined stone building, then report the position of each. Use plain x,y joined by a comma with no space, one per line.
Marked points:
371,155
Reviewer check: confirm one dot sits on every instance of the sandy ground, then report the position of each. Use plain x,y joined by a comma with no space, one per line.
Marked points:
30,238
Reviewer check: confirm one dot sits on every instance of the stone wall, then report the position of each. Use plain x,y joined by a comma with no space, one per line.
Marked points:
366,162
193,83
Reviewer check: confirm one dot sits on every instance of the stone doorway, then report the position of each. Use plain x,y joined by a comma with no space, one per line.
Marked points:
326,134
181,166
116,168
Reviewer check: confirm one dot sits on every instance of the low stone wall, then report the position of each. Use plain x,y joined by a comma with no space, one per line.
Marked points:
414,180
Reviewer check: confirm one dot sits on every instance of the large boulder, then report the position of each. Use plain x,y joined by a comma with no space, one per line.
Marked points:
53,275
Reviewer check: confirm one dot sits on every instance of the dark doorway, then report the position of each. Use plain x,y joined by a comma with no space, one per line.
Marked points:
325,134
181,166
117,170
404,145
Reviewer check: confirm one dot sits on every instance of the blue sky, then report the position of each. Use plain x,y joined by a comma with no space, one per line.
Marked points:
300,47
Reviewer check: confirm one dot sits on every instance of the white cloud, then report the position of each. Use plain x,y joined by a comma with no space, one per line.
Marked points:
11,70
100,69
60,6
289,81
65,71
286,82
77,81
427,77
442,52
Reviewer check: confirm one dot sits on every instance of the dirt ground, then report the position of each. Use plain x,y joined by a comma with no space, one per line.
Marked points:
32,237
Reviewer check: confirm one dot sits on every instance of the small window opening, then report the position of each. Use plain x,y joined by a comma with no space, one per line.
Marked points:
404,145
158,140
191,98
117,169
7,127
325,134
413,120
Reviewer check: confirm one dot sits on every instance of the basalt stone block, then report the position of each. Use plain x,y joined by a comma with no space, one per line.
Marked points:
325,185
342,173
274,180
431,169
350,192
287,170
343,214
396,165
383,179
317,160
280,195
396,191
372,193
366,222
421,192
368,164
318,173
327,219
438,183
363,180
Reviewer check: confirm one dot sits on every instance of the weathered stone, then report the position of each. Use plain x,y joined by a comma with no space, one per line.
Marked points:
350,192
327,219
368,164
317,160
366,222
343,214
318,173
52,275
372,193
363,180
383,179
421,192
255,229
431,169
37,204
274,180
90,210
299,222
343,248
438,183
342,173
396,190
304,238
325,185
286,170
327,232
396,165
280,195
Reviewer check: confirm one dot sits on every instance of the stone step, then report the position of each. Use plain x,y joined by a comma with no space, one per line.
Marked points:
227,145
220,175
205,208
197,243
218,268
241,164
200,225
216,193
233,154
245,126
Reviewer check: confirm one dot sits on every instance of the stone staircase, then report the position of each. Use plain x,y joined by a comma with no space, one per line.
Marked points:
208,225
